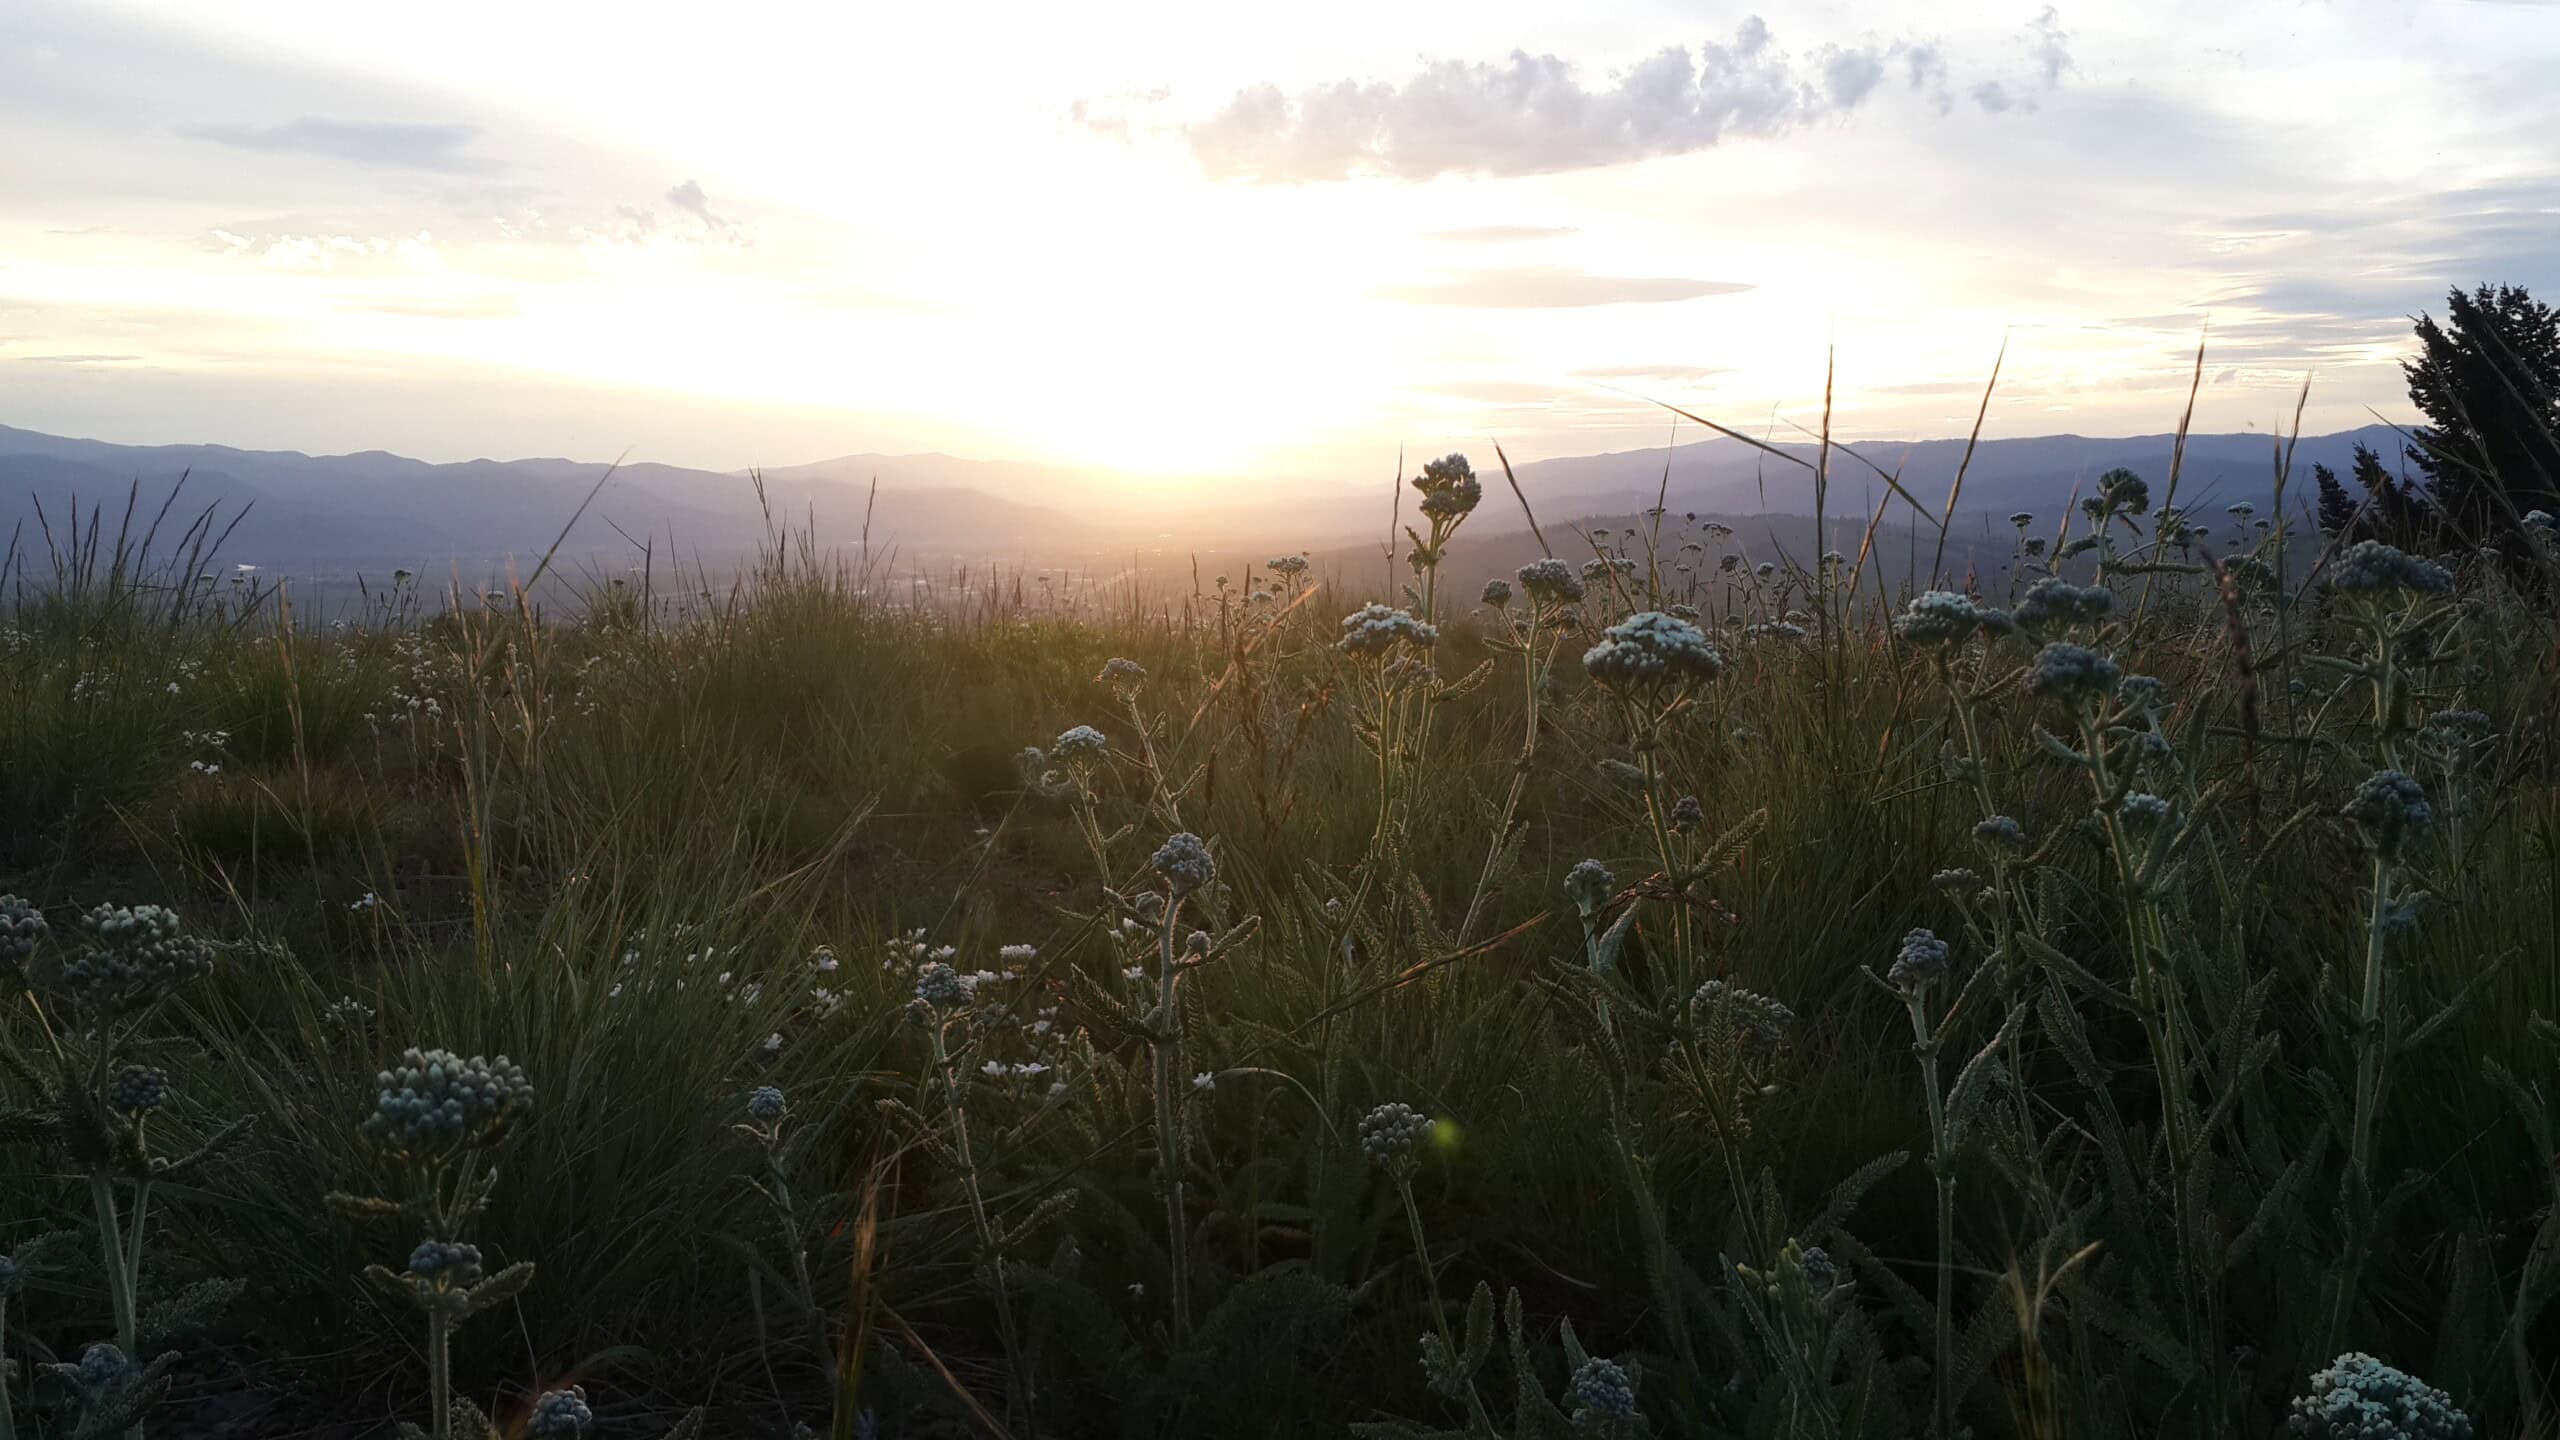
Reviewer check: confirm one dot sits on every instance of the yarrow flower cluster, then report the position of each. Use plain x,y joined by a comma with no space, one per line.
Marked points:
2063,671
2359,1398
1286,565
2370,567
1449,487
2001,830
940,987
1820,1271
2053,602
560,1413
1497,592
22,929
436,1100
135,956
1082,745
1649,650
1752,1018
1375,629
2143,810
1601,1396
137,1089
1185,863
1921,961
1589,884
457,1262
1389,1133
766,1105
1687,814
1943,617
1121,673
2392,811
1550,581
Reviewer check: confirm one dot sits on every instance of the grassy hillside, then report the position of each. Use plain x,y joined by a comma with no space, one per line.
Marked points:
2221,1056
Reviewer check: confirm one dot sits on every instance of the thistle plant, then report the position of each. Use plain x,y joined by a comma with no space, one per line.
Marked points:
2390,812
768,1112
1653,664
95,1001
436,1116
1921,972
1533,632
1794,1307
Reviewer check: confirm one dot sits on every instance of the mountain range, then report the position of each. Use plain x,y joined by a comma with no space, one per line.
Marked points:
338,514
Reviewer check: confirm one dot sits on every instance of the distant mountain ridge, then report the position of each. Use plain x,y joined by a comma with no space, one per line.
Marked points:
374,510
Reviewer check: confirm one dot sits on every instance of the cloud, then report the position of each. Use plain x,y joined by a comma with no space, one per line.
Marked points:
1554,287
1534,115
1502,234
434,307
1674,373
688,197
2050,46
388,144
79,359
1495,392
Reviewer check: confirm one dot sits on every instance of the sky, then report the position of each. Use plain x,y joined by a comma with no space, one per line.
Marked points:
1215,244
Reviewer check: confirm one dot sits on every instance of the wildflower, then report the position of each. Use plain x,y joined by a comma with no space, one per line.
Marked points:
1590,885
1820,1271
1081,746
2142,692
2053,602
1185,863
1389,1133
1940,617
2122,491
2001,830
436,1100
1550,581
1600,567
1277,565
1728,563
435,1258
1652,649
1601,1396
2392,811
137,955
1921,962
1497,592
1374,629
1752,1018
941,987
766,1105
1018,953
1687,814
22,929
2541,520
2034,546
1449,487
560,1413
2241,510
2023,518
1204,1081
2064,670
2143,811
824,958
137,1089
2372,568
103,1365
1956,878
2357,1397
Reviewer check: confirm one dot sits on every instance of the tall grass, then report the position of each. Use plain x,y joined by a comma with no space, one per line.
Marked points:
2208,1098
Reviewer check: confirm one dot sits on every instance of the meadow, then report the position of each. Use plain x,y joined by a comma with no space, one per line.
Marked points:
1659,990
